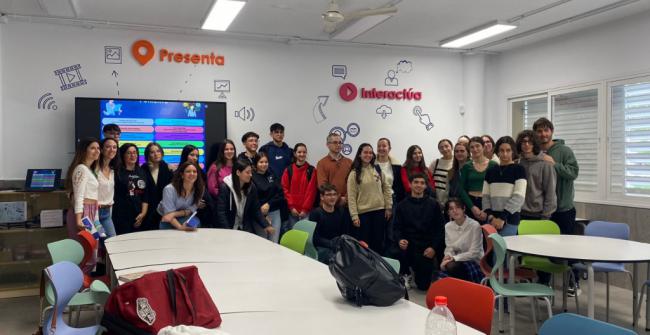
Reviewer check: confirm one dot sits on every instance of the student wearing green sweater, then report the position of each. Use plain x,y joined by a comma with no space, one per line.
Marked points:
369,199
472,176
566,168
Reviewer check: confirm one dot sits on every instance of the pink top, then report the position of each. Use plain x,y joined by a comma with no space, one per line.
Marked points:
215,178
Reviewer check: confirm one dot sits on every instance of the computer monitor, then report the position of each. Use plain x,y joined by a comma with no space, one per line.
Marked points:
42,180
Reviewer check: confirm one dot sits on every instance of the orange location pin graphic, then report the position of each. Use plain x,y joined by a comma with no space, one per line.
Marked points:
136,50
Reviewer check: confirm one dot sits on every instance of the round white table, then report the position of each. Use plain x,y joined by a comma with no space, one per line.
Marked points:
587,249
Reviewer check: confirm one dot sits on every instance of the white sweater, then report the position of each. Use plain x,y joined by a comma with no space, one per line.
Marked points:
84,186
464,242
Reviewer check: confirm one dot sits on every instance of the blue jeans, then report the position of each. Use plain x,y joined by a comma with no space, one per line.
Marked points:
509,230
276,222
107,221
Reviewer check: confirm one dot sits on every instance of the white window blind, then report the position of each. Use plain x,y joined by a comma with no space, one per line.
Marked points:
575,118
534,109
629,140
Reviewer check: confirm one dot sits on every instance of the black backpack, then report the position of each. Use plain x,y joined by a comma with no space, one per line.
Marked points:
363,276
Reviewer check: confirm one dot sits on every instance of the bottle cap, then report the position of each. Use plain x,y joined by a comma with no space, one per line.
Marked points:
440,300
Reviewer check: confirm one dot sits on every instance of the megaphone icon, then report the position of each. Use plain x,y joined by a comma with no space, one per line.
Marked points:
245,114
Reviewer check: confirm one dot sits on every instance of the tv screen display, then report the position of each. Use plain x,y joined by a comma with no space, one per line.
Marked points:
172,124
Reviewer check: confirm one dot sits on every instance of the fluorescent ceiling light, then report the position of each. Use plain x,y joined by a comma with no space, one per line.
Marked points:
359,27
222,14
476,34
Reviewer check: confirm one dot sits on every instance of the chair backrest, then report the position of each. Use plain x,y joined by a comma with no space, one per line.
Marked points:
608,229
65,279
66,250
308,227
471,303
295,240
572,324
88,243
500,255
393,263
538,227
488,230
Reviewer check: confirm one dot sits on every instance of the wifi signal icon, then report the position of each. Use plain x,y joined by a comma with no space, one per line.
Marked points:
46,101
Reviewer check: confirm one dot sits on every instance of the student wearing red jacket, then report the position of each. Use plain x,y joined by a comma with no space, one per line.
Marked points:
299,186
414,164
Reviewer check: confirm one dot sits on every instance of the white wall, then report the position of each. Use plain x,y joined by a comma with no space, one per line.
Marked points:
281,82
612,50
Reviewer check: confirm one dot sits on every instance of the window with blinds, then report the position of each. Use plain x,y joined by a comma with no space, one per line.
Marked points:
526,111
629,139
575,118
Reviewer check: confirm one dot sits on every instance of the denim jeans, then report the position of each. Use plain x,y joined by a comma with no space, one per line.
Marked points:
107,221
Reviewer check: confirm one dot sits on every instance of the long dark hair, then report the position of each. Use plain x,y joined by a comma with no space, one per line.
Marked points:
79,158
199,185
186,152
257,158
221,156
455,167
295,149
114,163
357,164
240,165
410,164
123,149
147,151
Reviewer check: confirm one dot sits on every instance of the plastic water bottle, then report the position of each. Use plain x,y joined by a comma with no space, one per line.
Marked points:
440,320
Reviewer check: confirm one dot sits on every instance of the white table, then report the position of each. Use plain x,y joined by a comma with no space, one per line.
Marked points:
264,288
587,249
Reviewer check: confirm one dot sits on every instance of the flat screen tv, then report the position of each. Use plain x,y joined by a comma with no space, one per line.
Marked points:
171,123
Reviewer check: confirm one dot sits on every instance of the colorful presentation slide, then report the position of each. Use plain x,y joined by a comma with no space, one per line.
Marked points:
172,124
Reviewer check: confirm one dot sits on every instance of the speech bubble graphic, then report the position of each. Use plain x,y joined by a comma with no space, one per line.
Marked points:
340,71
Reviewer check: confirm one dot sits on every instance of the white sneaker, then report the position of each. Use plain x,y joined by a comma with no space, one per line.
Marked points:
408,281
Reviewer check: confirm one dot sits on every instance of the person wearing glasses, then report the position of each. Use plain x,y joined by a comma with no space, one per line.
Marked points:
334,168
332,221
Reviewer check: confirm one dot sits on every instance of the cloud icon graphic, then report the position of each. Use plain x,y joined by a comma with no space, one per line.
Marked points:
404,66
384,110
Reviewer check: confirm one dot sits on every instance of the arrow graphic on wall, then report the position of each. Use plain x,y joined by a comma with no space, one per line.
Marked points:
117,83
317,111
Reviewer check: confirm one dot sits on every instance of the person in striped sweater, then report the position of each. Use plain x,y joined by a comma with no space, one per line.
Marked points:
440,167
504,189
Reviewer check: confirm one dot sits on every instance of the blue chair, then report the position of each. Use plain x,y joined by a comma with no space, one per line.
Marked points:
612,230
574,324
66,279
644,287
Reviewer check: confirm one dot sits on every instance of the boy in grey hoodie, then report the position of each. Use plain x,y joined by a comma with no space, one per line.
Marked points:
541,200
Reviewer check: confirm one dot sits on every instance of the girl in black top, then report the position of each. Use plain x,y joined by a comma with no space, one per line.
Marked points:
158,176
269,195
131,192
237,204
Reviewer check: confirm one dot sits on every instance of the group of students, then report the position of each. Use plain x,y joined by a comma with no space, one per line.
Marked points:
427,217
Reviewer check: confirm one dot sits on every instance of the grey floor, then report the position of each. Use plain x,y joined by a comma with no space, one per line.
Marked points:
19,316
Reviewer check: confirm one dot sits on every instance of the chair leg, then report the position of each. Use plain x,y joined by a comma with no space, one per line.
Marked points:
607,297
640,301
548,305
499,300
553,287
532,307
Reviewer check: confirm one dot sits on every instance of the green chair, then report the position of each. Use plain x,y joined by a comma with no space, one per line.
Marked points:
308,227
528,290
393,263
96,295
543,227
295,240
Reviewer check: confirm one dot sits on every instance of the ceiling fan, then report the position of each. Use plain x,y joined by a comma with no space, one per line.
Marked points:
333,16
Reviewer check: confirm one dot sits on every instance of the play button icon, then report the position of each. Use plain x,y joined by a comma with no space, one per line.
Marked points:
348,91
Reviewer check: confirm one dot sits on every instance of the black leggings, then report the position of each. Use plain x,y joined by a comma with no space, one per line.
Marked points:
457,270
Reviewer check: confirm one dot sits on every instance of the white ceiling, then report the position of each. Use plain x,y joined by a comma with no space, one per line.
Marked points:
421,23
